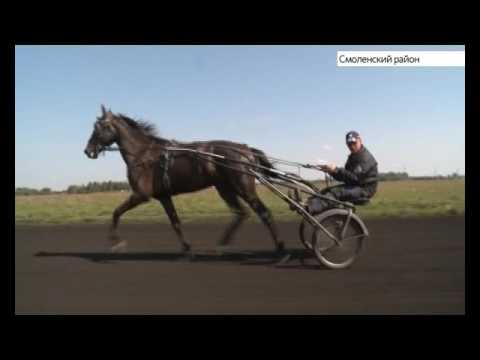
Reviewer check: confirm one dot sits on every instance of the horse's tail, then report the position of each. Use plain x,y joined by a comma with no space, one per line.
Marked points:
262,160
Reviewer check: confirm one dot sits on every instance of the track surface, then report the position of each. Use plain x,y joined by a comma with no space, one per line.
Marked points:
410,266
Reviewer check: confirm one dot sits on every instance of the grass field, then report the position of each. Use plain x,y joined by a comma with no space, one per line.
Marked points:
394,199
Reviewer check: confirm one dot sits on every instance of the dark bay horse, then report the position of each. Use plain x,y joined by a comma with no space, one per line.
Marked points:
155,172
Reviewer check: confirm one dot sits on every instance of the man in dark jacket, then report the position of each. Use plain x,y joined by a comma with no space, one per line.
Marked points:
359,177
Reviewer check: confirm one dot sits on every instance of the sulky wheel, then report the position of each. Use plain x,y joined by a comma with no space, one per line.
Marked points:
350,232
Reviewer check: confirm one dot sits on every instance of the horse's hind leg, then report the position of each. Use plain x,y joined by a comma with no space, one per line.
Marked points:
266,216
175,221
132,201
239,211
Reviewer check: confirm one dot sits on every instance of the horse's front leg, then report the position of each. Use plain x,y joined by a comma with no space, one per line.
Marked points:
132,201
167,203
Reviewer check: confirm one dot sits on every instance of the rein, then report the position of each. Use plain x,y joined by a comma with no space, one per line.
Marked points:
272,159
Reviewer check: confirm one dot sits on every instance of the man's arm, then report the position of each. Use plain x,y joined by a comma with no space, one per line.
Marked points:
357,175
346,176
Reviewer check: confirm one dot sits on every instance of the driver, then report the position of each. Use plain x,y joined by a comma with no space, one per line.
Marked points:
359,177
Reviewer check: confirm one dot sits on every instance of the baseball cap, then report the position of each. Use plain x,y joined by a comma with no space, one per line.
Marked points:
352,136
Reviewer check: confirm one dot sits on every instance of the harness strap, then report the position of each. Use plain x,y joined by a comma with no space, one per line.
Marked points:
166,178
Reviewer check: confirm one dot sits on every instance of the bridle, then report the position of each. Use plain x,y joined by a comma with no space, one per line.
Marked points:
139,163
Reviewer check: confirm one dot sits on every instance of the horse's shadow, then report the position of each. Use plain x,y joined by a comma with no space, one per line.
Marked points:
299,257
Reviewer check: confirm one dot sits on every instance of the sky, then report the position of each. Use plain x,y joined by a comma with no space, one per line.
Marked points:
293,102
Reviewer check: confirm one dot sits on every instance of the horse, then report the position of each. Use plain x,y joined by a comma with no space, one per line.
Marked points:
154,171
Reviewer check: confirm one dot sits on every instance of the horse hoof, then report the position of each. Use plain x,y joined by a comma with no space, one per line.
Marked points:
284,260
281,249
221,250
190,256
120,246
302,260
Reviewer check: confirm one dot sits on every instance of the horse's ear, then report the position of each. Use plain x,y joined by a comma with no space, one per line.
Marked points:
103,110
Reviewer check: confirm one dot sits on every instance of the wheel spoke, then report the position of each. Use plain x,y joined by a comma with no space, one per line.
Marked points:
349,235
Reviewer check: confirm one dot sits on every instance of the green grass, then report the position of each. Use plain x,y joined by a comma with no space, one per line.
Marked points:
412,198
417,198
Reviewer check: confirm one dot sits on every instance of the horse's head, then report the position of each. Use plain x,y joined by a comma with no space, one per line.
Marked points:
103,134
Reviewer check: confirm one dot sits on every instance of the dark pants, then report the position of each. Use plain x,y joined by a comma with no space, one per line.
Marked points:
340,192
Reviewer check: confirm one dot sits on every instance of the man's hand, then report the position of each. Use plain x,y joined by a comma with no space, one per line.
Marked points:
329,168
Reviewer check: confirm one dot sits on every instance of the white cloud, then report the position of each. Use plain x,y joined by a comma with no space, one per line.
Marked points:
327,147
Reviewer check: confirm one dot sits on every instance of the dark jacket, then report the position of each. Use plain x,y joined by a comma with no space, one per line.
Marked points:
361,170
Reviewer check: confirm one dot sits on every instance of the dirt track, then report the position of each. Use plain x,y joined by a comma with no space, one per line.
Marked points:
409,267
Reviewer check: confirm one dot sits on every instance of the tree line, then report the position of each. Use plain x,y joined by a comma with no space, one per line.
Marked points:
390,176
95,186
29,191
105,186
396,176
91,187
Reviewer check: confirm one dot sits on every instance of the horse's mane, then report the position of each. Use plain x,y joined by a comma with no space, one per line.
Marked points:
145,127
